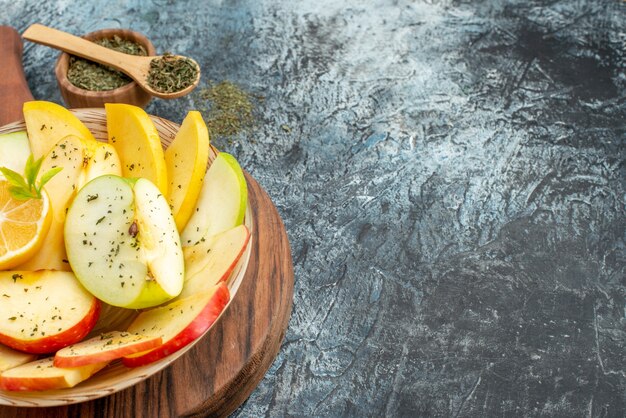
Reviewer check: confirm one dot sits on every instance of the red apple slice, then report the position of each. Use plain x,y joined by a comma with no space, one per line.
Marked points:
45,310
106,347
178,323
10,358
211,262
43,375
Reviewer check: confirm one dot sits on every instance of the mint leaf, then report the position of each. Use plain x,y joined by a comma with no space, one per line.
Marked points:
15,179
28,170
26,187
47,176
31,176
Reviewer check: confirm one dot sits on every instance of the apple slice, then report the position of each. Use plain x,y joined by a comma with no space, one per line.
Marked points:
14,151
47,123
186,159
43,375
137,142
212,261
106,347
10,358
81,161
178,323
43,311
122,243
222,201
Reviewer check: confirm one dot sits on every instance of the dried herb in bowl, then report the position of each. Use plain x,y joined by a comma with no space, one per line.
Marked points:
92,76
170,73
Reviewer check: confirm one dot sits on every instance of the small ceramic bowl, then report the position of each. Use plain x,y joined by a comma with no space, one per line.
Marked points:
130,93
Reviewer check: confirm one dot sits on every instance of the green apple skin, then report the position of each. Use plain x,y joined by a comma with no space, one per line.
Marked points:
122,243
14,151
221,204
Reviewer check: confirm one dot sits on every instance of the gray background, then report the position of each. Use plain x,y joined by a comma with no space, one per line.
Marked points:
452,182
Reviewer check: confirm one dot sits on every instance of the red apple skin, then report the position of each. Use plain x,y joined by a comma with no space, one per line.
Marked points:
107,355
22,384
195,329
55,342
26,384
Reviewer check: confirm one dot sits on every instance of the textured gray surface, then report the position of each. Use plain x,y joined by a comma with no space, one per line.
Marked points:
453,186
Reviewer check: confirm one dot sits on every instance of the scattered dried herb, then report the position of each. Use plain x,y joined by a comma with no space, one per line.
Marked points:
170,73
230,108
92,76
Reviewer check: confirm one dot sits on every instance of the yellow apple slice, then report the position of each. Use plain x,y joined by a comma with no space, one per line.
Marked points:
137,142
43,375
82,161
47,123
186,160
221,204
43,311
106,347
177,323
212,261
10,358
14,151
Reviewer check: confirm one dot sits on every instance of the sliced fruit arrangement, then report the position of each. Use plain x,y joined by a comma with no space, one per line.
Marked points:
222,201
122,243
106,347
90,221
186,159
45,310
44,375
63,141
177,323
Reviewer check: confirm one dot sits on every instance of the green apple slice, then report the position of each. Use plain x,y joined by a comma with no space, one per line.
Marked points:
122,242
212,261
222,202
14,151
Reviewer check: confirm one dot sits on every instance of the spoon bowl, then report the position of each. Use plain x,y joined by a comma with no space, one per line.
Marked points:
136,67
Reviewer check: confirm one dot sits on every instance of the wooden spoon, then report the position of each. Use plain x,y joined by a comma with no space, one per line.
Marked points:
136,67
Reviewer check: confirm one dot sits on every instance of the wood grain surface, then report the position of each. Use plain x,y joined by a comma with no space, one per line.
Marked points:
13,87
222,369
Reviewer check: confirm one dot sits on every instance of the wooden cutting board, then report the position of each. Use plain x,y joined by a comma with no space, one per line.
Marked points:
221,371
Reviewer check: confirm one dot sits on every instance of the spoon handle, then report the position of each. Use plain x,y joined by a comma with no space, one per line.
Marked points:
78,46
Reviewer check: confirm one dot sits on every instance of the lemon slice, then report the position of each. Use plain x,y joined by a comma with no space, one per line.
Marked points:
23,226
